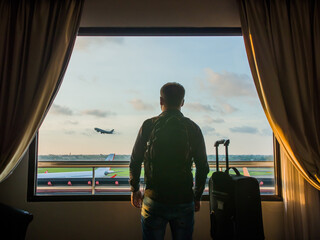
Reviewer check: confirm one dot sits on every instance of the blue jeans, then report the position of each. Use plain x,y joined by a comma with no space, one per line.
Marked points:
155,216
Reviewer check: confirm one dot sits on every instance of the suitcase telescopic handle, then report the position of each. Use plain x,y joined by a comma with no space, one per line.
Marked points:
226,143
217,143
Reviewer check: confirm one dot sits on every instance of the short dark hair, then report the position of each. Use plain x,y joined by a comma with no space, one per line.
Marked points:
172,94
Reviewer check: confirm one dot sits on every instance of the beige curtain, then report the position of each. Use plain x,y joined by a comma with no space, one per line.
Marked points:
36,42
301,204
282,39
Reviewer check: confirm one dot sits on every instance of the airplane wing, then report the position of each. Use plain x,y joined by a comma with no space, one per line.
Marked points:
81,174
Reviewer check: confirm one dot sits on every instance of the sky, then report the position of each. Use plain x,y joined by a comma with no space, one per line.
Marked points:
114,83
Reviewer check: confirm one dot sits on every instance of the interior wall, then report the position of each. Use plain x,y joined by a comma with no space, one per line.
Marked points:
165,13
102,219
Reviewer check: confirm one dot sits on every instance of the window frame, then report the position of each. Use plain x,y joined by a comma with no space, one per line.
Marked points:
141,31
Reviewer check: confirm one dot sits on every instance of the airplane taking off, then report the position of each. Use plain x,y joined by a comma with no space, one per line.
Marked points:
101,172
104,131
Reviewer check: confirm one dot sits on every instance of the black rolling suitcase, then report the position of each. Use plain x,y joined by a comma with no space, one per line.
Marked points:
235,204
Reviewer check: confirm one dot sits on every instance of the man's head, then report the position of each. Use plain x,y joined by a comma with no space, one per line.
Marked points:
172,95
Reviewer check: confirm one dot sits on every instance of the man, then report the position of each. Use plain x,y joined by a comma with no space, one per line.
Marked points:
168,145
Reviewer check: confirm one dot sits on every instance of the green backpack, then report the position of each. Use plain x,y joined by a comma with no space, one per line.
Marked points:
167,158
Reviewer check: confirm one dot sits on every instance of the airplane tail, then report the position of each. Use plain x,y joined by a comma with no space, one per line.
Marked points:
110,157
246,172
107,170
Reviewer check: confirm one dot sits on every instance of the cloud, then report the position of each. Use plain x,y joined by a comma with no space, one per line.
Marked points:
199,107
87,132
86,43
70,132
217,120
224,108
60,110
71,122
139,105
97,113
228,85
207,130
227,108
209,120
266,132
91,80
244,129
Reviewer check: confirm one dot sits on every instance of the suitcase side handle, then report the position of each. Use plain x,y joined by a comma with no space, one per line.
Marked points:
234,169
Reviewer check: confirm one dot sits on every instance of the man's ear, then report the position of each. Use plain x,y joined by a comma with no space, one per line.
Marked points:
182,103
161,101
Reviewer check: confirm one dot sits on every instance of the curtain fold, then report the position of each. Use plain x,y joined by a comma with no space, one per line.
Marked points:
282,39
36,43
301,203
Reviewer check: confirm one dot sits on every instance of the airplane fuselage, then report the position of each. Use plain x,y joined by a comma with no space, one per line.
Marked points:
104,131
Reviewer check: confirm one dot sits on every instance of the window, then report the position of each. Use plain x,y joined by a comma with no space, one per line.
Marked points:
112,85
